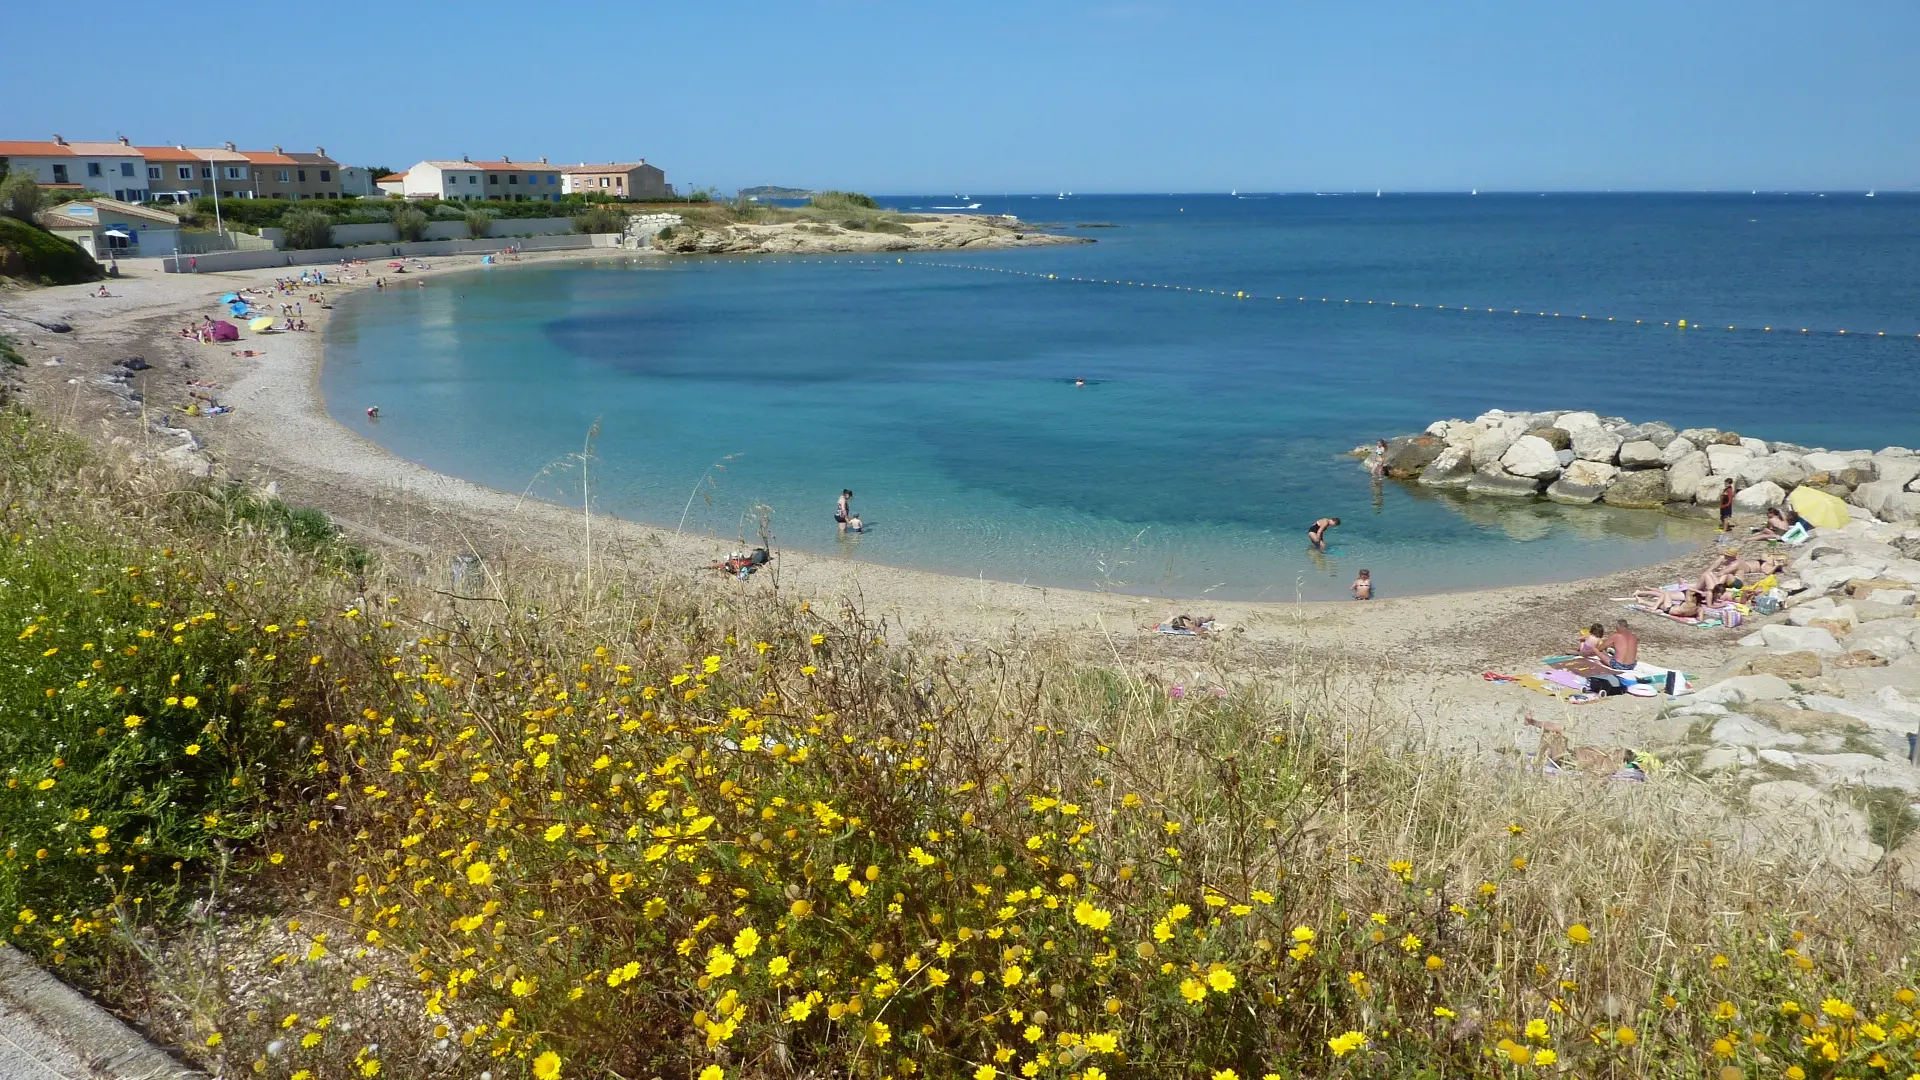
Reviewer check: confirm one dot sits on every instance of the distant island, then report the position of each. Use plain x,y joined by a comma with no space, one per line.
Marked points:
774,191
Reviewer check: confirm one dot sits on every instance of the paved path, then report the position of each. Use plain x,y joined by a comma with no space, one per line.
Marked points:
48,1031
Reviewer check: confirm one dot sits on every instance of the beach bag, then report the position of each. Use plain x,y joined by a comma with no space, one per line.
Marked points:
1730,617
1766,604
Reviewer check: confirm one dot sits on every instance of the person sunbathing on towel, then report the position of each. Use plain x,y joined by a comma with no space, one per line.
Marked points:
1198,624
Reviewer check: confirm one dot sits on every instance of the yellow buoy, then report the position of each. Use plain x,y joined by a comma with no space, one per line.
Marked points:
1683,324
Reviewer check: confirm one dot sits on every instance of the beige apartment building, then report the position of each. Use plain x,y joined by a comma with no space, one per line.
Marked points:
621,180
296,176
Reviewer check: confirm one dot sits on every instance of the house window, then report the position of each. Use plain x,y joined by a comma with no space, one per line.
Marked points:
206,172
326,176
283,178
303,175
473,179
514,179
153,172
186,172
126,168
603,181
492,178
93,168
59,174
234,172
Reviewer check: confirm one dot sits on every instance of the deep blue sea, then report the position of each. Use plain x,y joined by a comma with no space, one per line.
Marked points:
1211,429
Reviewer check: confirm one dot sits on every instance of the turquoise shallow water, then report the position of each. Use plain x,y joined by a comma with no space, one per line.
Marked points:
1210,430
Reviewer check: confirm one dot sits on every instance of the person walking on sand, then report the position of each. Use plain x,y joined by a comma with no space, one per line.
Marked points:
842,510
1317,532
1726,506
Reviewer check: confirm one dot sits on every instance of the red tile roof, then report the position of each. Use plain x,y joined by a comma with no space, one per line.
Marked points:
35,149
168,153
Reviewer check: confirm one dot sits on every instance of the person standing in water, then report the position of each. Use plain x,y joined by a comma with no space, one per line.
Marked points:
1317,532
842,510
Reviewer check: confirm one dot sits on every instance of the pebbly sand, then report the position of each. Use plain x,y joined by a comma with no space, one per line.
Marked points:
1418,658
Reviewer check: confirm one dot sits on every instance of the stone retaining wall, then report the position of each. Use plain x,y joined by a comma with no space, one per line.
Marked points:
1581,457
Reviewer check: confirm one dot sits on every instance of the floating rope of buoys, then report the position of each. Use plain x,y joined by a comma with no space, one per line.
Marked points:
1242,294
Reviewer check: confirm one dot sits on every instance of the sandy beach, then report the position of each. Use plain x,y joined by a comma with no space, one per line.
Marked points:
1421,657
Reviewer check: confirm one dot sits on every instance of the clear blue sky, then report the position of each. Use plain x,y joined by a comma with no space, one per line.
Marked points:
1108,95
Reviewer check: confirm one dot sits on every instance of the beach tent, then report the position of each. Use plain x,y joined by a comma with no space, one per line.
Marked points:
238,309
229,298
261,324
1822,511
225,331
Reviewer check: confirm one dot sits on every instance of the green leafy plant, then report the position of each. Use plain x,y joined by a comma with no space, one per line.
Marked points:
308,229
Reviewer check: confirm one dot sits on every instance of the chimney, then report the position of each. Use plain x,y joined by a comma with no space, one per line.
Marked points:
505,159
320,150
276,148
58,141
124,142
468,158
543,159
230,145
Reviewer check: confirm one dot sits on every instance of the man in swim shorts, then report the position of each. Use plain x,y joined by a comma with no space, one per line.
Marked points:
1317,532
840,510
1622,647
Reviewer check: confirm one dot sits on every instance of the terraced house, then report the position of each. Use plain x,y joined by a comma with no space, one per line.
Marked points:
280,175
468,180
114,167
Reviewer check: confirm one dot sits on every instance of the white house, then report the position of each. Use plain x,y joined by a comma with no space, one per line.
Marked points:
468,180
113,167
355,180
108,228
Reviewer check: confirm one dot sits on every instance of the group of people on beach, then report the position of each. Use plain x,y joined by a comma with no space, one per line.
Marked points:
1724,578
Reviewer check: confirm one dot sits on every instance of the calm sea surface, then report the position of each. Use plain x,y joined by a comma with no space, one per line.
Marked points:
1211,429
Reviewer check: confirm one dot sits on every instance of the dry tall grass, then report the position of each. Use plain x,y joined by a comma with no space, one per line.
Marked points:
666,828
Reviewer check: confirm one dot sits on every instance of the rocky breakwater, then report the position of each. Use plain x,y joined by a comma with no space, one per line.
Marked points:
1582,457
946,232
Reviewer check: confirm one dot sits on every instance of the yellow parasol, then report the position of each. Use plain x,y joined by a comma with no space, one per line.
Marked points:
1823,511
261,324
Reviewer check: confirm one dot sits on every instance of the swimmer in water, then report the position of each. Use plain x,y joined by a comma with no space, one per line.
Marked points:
1079,382
373,412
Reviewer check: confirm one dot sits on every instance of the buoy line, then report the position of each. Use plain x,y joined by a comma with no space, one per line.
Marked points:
1242,294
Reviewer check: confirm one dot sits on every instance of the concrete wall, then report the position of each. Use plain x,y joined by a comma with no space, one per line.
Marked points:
256,260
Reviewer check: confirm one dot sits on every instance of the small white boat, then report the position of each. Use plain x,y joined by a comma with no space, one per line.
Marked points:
1869,194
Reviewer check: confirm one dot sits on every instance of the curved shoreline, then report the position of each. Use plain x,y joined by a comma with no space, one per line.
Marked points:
281,432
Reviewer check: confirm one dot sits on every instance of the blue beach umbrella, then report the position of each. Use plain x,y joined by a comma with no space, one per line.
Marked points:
229,298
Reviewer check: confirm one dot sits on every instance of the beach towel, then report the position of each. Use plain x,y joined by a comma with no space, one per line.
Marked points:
1565,678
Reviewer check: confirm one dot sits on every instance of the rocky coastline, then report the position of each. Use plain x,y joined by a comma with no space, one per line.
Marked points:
941,232
1580,457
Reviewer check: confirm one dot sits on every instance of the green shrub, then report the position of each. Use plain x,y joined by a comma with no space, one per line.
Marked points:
31,253
146,691
479,221
308,229
599,220
842,200
410,222
20,197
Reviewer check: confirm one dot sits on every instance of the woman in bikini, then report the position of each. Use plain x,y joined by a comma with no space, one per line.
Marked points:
841,511
1317,532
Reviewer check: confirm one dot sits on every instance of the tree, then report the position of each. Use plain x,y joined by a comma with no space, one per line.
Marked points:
410,222
478,222
308,229
20,197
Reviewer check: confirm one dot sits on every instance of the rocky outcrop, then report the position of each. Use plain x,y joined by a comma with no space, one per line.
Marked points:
946,232
1583,457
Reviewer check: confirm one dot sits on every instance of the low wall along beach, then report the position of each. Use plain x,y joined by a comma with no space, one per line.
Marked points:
1580,457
